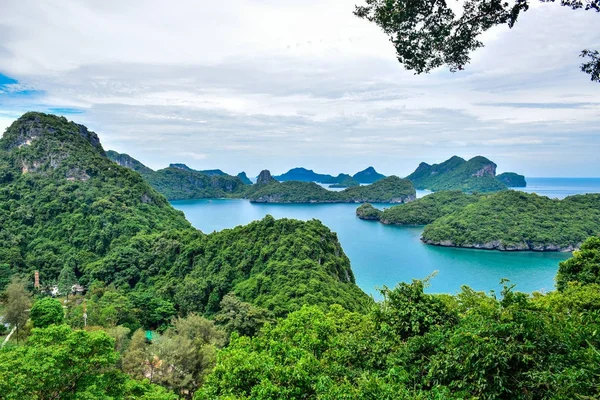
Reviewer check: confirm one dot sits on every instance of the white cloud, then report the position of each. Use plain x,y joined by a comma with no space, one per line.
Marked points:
249,84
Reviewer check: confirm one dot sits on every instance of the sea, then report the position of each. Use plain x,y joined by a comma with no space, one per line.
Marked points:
383,255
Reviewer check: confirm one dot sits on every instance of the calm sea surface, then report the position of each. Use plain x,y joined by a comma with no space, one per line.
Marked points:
385,255
562,187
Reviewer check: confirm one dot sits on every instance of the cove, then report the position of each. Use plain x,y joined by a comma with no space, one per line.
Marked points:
386,255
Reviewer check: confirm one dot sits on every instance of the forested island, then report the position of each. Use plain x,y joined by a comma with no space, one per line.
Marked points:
475,175
264,311
515,220
420,212
512,180
508,220
388,190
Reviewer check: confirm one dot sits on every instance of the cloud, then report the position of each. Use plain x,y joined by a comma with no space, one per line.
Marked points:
255,84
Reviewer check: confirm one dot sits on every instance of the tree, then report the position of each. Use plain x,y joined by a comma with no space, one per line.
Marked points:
428,33
241,317
46,312
58,362
18,301
66,280
186,354
136,357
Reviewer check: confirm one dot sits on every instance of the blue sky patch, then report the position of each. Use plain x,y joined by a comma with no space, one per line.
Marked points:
7,80
65,110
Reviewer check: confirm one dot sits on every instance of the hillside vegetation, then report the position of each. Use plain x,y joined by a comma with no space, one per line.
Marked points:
515,220
179,182
264,311
512,180
63,203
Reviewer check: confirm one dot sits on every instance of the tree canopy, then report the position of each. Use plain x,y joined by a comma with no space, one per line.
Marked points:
428,34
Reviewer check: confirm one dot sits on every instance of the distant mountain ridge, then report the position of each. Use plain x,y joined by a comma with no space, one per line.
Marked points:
368,175
180,182
475,175
388,190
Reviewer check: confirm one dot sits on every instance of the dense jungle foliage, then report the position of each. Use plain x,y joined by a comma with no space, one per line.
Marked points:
513,220
179,182
64,204
422,211
264,311
475,175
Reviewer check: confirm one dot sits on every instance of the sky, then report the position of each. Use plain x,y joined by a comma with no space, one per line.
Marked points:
254,84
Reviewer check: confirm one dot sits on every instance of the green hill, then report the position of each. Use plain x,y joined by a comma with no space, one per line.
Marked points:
513,220
63,203
178,181
388,190
244,178
422,211
368,175
512,179
476,175
304,175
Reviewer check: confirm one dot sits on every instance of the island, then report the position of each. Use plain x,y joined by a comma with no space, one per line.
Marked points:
422,211
512,180
389,190
514,220
507,221
368,212
475,175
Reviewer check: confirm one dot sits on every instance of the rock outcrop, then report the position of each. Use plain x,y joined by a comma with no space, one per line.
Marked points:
264,178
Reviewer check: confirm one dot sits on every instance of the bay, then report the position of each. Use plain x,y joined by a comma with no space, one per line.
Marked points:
385,255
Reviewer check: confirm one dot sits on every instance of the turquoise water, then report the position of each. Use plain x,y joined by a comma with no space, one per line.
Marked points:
385,255
562,187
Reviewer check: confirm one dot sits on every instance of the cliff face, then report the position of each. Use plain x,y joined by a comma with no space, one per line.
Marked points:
125,160
50,145
264,178
498,245
63,199
34,125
